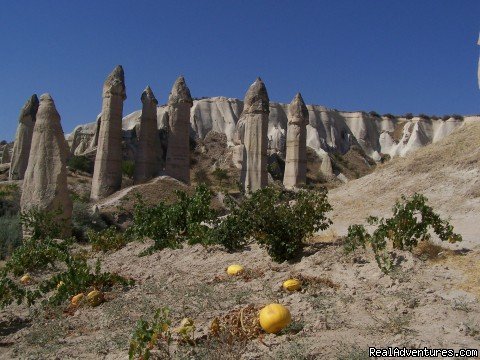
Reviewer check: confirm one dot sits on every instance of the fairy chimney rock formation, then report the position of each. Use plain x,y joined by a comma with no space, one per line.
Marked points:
178,151
148,155
326,168
45,183
107,174
296,153
23,139
255,116
5,154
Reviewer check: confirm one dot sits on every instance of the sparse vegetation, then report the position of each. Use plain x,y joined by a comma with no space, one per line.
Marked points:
80,163
411,221
108,239
128,168
85,220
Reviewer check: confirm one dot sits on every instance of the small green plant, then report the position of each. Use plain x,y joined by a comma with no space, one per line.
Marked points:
128,168
10,235
220,174
148,336
108,239
85,220
41,224
412,219
80,163
171,225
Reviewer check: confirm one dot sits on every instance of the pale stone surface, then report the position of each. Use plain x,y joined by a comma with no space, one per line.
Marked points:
45,183
296,154
5,154
178,153
255,114
148,154
107,175
23,139
326,167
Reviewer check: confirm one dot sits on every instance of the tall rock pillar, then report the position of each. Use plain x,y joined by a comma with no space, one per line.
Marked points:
23,139
255,115
45,183
178,151
296,154
147,157
107,174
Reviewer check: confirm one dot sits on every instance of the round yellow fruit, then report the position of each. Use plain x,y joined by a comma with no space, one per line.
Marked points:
95,297
25,279
274,317
292,284
235,269
77,298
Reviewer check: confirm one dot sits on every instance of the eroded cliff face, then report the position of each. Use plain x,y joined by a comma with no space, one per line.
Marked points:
328,130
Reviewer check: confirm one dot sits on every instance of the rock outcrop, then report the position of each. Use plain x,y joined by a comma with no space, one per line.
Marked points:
178,153
149,152
107,175
23,139
328,130
326,168
45,182
296,152
255,116
5,158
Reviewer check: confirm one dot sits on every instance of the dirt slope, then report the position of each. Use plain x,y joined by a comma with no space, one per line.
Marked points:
447,172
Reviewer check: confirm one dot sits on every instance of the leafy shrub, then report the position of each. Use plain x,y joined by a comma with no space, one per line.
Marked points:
41,224
424,116
108,239
279,221
374,114
10,235
201,177
220,174
80,163
389,116
9,199
170,225
128,168
84,219
148,336
411,221
409,116
79,278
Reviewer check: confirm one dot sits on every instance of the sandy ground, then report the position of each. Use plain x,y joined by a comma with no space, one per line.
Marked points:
348,306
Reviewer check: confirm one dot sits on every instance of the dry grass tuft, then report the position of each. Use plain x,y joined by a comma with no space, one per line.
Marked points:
238,325
427,250
316,282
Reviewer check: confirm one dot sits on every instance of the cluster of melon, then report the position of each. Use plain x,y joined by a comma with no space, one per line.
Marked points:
94,297
273,317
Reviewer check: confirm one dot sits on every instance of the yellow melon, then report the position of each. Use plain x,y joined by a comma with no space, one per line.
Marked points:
25,279
292,285
95,297
274,317
77,298
235,269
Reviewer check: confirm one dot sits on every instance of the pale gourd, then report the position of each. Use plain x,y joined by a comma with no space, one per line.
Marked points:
95,297
235,269
292,285
77,299
274,318
25,279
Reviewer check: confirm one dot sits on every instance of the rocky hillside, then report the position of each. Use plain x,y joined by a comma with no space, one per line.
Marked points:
328,130
447,172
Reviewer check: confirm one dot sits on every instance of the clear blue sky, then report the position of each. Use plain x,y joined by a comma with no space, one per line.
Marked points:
393,56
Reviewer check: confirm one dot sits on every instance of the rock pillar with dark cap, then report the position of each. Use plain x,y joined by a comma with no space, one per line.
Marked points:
23,139
107,174
255,115
296,154
178,152
45,183
147,157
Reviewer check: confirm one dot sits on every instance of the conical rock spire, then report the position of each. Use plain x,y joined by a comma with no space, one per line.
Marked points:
256,98
180,92
115,83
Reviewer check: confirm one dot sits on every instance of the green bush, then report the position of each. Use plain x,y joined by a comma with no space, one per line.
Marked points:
9,199
155,335
412,219
84,219
220,174
128,168
170,225
80,163
10,235
41,224
278,220
108,239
